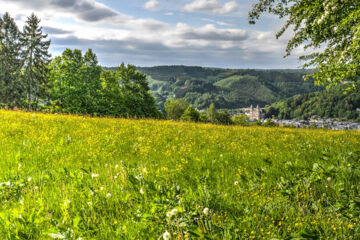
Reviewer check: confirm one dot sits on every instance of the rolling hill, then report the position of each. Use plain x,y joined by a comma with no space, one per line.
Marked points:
226,88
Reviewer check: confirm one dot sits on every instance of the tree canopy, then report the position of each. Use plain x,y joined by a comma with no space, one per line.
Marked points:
330,29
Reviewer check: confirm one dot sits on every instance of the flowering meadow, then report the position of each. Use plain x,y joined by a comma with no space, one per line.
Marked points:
71,177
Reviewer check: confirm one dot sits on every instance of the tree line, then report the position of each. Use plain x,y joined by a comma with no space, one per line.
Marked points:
71,83
341,102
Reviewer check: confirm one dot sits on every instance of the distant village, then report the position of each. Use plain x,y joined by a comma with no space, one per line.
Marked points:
258,114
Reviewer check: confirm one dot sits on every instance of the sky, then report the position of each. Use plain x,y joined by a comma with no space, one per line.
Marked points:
209,33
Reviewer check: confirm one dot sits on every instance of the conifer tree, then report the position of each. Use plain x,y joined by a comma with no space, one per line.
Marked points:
10,63
36,58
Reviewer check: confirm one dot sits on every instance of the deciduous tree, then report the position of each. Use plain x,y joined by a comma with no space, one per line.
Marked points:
330,28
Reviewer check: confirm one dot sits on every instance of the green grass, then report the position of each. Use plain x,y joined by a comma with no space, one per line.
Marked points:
99,178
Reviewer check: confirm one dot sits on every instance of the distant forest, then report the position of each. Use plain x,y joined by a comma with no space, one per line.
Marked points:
226,88
341,102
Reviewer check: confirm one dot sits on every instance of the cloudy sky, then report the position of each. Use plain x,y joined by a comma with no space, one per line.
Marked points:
212,33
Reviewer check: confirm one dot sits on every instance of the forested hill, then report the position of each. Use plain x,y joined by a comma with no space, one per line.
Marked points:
226,88
338,102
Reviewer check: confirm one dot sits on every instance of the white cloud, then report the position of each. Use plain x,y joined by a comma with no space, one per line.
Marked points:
148,41
220,23
152,5
212,6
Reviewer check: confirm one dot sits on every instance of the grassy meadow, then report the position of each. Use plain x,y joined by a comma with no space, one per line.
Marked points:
70,177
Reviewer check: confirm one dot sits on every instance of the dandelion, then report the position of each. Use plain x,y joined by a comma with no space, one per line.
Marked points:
174,212
236,183
56,236
67,202
169,214
166,235
206,211
108,195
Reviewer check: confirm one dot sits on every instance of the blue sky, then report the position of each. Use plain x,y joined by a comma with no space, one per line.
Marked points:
212,33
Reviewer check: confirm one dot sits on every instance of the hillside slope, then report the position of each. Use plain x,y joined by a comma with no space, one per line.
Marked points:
338,102
226,88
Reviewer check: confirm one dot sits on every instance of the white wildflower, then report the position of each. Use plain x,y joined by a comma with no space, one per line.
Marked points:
169,214
29,179
8,184
91,192
89,203
67,202
93,175
141,191
102,189
106,165
236,183
329,179
174,212
206,211
116,166
166,235
108,195
56,236
115,177
20,165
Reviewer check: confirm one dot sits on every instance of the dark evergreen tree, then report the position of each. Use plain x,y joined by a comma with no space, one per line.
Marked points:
36,58
10,63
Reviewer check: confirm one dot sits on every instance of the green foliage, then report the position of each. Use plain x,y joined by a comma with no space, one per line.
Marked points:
214,116
135,91
35,57
75,84
270,123
240,119
191,114
79,85
175,108
223,117
338,102
212,113
333,25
